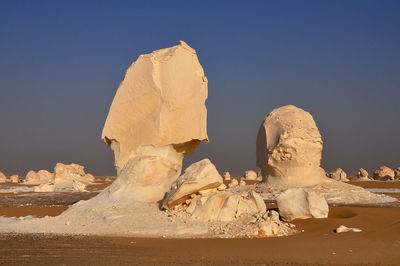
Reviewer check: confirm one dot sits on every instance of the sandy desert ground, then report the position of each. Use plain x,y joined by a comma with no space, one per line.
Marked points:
378,243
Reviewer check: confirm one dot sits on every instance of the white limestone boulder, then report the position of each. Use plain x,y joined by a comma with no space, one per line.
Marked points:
3,177
289,148
339,175
362,174
14,179
384,173
250,175
344,229
199,176
298,203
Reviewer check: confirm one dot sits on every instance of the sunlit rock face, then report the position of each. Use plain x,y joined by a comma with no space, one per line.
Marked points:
289,148
158,115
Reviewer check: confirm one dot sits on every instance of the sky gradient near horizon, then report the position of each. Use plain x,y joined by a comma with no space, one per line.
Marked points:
62,61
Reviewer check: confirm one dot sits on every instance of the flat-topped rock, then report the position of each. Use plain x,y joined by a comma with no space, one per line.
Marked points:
384,173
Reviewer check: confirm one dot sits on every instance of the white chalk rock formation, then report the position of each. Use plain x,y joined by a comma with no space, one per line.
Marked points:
45,176
158,115
298,203
3,177
384,173
397,173
226,176
198,176
250,175
71,177
344,229
32,178
339,175
289,148
362,174
14,178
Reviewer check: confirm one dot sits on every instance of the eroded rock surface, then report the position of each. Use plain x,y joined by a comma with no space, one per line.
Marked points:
397,173
289,148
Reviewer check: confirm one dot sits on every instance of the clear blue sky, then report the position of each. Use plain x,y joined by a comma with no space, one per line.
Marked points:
61,63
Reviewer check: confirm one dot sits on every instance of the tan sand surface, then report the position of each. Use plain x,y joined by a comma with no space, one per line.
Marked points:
378,243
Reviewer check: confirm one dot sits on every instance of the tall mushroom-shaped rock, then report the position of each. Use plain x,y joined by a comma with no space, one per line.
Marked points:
289,148
158,115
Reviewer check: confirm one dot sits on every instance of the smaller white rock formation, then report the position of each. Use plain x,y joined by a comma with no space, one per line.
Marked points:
397,173
32,178
45,176
226,176
250,175
297,203
384,173
339,175
3,177
289,148
14,178
362,174
198,176
344,229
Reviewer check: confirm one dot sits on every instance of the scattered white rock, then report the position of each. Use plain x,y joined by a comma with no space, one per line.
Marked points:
199,176
250,175
242,183
362,174
227,176
14,179
397,173
384,173
344,229
234,183
339,175
298,203
3,177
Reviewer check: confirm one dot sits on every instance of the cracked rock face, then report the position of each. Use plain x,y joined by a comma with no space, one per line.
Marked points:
289,148
158,116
